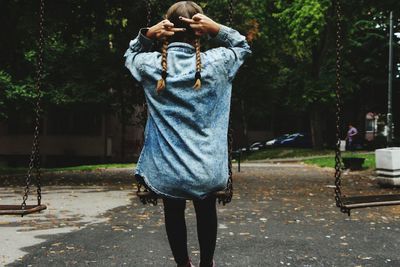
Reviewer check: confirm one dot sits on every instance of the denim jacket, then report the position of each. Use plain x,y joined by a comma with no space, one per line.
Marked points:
185,153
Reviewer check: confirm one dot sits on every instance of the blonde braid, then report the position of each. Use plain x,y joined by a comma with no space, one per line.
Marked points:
162,81
197,77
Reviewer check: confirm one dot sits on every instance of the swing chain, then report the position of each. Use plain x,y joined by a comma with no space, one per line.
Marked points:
148,198
230,13
338,89
227,197
148,8
34,161
229,188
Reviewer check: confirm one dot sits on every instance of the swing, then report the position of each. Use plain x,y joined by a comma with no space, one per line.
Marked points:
346,204
146,195
34,162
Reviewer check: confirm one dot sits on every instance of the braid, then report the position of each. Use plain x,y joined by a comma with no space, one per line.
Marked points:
162,81
197,77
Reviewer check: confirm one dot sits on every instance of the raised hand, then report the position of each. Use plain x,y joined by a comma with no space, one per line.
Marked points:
201,24
162,30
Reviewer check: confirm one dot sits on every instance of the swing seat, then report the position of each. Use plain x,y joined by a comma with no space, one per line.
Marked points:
370,201
151,197
222,194
17,209
146,194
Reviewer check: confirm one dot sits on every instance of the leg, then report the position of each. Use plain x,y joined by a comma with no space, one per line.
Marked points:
174,212
351,145
206,215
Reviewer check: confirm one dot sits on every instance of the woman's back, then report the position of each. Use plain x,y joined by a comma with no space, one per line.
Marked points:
185,151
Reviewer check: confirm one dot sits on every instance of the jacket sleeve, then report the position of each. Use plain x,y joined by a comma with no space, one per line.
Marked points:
136,54
233,51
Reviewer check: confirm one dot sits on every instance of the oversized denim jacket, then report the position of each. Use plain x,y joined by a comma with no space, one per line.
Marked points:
185,153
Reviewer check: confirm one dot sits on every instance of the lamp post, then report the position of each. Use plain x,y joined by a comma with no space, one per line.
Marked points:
390,83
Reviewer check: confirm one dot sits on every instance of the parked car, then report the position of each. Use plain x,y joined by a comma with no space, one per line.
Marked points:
242,149
276,141
253,147
257,146
296,140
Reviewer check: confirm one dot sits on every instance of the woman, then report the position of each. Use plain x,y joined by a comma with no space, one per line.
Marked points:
188,93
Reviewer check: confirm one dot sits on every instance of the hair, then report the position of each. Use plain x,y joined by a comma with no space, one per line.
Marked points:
185,9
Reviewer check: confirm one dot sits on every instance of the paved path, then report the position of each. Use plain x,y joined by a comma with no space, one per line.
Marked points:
281,215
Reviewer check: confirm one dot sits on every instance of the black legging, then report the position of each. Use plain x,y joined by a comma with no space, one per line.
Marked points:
206,215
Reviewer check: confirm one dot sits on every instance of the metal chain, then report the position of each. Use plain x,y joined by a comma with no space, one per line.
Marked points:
229,187
148,7
230,12
34,161
338,90
143,117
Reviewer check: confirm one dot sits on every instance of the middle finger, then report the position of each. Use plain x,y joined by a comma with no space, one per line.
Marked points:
167,24
195,26
189,21
176,29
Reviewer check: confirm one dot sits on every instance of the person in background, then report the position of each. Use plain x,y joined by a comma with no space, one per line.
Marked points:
351,135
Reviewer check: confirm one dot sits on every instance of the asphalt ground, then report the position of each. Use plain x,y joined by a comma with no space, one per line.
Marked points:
281,215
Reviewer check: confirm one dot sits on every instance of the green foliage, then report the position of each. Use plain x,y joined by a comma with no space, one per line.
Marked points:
303,22
5,80
13,93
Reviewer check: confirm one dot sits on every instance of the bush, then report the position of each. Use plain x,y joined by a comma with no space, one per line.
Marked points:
396,142
379,142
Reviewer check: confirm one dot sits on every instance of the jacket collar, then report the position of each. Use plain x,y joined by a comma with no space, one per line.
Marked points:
180,46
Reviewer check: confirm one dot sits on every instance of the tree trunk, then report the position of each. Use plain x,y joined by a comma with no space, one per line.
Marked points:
123,140
123,121
316,119
317,109
244,122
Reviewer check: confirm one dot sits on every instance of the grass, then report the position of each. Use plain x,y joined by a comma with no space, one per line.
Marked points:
329,161
323,158
20,170
279,153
